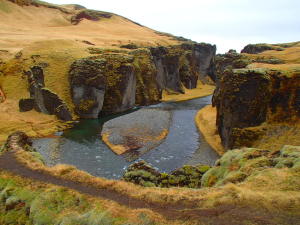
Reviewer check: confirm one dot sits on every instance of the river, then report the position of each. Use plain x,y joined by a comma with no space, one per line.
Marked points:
82,146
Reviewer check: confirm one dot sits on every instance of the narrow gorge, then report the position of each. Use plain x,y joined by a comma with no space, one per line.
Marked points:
106,121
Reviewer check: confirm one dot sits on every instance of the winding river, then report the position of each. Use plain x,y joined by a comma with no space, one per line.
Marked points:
82,146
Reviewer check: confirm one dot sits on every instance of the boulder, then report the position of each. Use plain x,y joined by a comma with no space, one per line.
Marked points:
26,104
18,140
143,174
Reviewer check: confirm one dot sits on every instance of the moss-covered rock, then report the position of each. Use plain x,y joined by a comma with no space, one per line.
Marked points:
88,85
136,75
237,165
246,98
258,48
148,86
241,101
20,203
145,175
43,99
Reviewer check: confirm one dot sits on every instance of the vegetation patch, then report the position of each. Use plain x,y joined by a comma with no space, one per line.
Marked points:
236,166
145,175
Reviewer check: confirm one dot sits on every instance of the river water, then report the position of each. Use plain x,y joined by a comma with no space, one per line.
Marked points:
82,146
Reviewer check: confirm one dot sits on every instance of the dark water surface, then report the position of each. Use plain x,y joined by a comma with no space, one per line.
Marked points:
82,147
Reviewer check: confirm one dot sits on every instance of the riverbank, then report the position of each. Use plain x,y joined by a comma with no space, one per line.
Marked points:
205,120
122,199
201,90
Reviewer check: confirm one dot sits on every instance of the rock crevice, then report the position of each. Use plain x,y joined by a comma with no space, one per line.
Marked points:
42,99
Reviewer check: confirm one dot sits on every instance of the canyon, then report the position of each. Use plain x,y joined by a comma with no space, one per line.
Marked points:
106,121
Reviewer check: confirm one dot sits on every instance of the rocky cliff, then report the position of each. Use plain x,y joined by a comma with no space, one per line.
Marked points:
72,62
115,81
247,98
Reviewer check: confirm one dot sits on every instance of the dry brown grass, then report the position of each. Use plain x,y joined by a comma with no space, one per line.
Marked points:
25,25
32,123
272,190
291,57
277,135
202,90
206,122
46,36
114,209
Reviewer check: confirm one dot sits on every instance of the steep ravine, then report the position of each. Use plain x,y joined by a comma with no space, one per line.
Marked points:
113,81
82,146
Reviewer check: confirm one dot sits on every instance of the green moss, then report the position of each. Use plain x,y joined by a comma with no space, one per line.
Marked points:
237,165
86,104
22,203
147,91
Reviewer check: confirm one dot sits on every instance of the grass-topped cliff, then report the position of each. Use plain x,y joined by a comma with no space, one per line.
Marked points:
62,41
257,97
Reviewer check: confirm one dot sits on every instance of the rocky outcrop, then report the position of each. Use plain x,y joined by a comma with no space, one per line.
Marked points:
145,175
89,15
247,98
88,87
105,83
26,104
184,64
42,99
125,78
18,141
258,48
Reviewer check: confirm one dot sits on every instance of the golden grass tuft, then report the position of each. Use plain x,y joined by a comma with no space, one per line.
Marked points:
206,122
118,149
201,90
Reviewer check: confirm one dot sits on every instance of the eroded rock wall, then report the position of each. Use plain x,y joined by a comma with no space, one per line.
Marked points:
42,99
247,98
116,80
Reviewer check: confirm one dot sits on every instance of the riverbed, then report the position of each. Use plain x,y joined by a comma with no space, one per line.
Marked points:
82,146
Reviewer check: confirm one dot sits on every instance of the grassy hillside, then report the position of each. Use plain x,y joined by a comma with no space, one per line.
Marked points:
52,36
285,57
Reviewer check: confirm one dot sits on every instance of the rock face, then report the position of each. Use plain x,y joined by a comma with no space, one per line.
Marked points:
258,48
105,83
137,76
18,141
26,104
145,175
136,133
89,15
88,87
247,98
42,99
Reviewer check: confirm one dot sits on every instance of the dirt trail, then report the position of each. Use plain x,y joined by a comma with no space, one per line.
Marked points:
225,214
9,163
